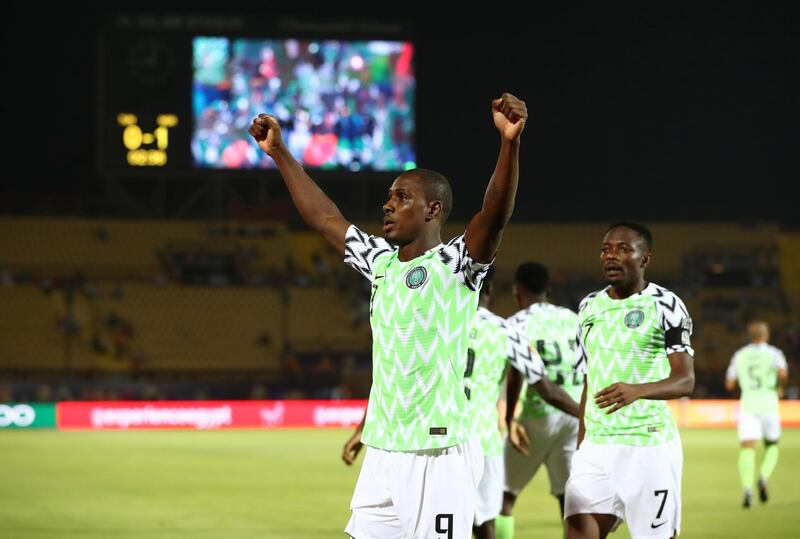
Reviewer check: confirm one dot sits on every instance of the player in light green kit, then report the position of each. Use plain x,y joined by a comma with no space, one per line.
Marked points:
493,344
422,463
760,369
636,350
553,434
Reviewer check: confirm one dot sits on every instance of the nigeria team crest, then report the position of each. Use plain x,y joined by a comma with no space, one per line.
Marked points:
634,319
416,277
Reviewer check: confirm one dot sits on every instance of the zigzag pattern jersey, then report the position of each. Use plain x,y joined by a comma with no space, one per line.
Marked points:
492,343
628,340
420,311
551,332
756,367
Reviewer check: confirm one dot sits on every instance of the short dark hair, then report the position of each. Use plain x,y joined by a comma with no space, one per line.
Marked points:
533,276
436,187
639,228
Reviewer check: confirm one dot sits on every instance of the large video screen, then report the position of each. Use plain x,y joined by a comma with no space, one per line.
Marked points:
342,105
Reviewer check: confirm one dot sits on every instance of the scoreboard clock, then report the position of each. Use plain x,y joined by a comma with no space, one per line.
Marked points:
144,102
146,149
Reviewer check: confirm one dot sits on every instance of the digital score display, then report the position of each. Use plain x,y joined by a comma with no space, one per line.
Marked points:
144,106
146,149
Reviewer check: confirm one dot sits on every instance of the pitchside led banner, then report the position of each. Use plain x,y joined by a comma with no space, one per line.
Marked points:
206,415
724,414
27,416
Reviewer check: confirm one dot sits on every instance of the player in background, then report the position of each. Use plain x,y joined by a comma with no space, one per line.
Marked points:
493,345
553,434
635,344
422,463
760,370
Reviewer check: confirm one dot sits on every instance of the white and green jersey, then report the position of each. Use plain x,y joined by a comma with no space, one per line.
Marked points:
420,311
628,340
492,343
551,332
756,367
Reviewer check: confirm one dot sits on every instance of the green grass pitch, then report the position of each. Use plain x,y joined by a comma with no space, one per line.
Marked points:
291,484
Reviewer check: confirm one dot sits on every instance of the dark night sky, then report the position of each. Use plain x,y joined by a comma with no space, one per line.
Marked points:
657,114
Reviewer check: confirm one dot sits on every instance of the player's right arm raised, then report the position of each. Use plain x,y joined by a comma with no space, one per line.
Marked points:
317,210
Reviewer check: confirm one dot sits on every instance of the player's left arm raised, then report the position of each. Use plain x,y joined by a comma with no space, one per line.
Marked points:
486,227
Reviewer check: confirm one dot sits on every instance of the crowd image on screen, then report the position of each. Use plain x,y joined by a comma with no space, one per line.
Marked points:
342,105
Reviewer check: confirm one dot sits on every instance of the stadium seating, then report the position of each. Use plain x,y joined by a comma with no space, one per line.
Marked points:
98,295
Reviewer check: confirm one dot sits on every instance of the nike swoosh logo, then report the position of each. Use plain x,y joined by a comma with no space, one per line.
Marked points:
654,526
380,276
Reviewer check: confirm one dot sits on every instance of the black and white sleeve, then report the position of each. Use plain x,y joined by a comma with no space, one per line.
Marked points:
470,273
362,249
522,357
581,365
675,321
